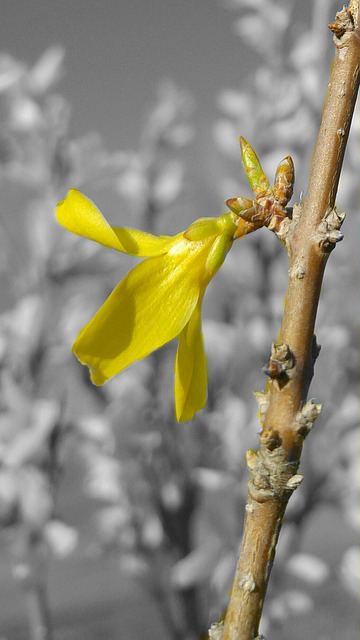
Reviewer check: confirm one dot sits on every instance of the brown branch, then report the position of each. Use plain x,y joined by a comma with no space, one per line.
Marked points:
285,417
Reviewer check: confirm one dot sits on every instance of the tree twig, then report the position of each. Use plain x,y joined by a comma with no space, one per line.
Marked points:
38,613
285,415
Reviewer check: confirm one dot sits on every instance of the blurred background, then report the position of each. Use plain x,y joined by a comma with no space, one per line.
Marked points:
116,521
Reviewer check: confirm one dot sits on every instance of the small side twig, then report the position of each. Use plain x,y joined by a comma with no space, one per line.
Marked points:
31,574
38,613
286,417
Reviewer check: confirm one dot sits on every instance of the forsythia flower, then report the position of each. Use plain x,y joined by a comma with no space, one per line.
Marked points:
160,299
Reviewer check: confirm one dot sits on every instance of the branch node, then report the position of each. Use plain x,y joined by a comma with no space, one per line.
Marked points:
270,473
249,507
270,438
262,400
247,583
295,481
306,417
298,209
289,224
329,230
297,270
260,494
281,363
250,457
344,23
284,230
216,631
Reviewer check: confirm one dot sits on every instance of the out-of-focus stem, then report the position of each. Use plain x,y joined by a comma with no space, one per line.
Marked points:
30,572
38,613
309,239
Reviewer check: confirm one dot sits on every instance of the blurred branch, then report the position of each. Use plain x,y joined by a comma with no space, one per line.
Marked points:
309,238
30,572
38,614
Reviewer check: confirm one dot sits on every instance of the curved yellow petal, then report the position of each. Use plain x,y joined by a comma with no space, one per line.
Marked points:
202,228
80,216
190,369
143,244
148,308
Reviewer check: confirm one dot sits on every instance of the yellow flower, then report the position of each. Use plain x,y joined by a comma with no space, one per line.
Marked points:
158,300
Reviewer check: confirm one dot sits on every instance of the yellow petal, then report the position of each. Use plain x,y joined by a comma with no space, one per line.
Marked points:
148,308
190,369
217,253
78,214
202,228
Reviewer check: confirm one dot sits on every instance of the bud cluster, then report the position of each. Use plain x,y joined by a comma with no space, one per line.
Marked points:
268,208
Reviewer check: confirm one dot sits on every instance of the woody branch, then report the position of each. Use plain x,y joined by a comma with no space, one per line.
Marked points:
285,416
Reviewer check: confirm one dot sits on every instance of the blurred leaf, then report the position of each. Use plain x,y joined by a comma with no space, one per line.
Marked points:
23,328
26,115
134,565
173,106
102,478
92,162
303,133
168,184
97,429
289,604
132,182
212,479
308,567
198,565
254,30
61,538
247,4
9,494
349,571
232,423
33,442
225,134
152,532
234,104
115,526
171,496
47,70
36,500
223,574
11,71
15,409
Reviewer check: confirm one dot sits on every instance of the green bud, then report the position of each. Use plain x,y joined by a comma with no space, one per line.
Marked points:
258,181
284,181
239,205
